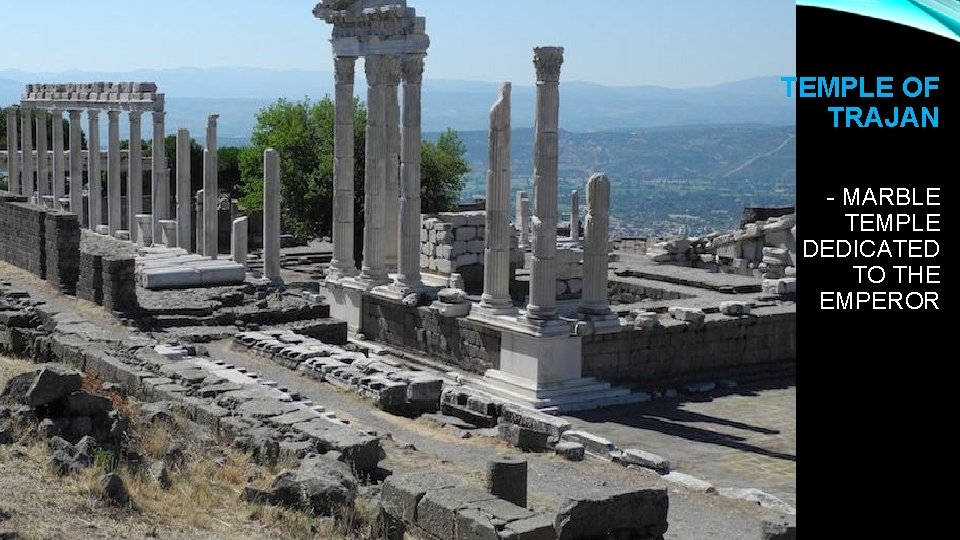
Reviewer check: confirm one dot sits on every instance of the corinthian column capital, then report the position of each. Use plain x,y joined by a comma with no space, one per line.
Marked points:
547,61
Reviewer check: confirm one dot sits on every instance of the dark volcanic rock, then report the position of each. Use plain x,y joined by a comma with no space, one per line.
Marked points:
52,383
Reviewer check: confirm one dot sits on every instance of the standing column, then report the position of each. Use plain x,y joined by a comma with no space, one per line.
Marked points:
408,263
113,171
58,187
135,175
94,180
13,160
76,165
26,149
184,193
543,275
574,215
238,241
496,257
392,192
523,219
379,70
343,264
159,197
271,216
211,191
596,232
43,177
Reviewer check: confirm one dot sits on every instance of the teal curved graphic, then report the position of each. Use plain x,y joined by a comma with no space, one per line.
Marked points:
941,17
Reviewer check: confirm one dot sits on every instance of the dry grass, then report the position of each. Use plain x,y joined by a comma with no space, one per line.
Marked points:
203,500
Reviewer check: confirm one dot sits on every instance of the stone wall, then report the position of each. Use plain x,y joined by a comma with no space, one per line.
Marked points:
39,240
62,247
453,242
453,340
107,272
719,347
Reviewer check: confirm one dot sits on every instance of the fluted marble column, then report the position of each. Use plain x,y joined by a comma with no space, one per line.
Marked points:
211,191
343,264
380,70
543,276
238,240
13,162
58,184
596,236
94,180
160,194
392,188
574,215
271,216
184,192
113,172
496,257
43,171
135,175
26,148
76,165
408,263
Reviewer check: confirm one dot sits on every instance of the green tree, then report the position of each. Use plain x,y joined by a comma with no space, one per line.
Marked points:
443,169
302,133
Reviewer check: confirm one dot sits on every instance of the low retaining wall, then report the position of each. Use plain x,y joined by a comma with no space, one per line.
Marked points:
106,272
466,344
43,242
719,347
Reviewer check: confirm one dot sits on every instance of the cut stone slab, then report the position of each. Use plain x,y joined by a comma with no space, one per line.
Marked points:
265,408
361,450
592,443
688,314
52,383
762,498
641,458
690,482
437,510
569,450
402,493
538,527
620,512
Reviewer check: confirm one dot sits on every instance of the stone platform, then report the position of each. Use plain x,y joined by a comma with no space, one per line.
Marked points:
175,268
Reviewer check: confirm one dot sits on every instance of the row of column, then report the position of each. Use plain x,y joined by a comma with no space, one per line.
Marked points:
52,186
391,238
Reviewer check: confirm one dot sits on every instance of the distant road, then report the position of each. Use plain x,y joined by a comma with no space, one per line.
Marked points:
760,156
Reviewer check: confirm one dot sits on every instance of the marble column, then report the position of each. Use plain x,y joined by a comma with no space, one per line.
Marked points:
238,240
113,172
76,165
43,176
58,184
343,264
135,175
542,305
392,191
408,263
160,194
211,190
574,215
184,191
94,180
198,217
496,256
596,233
271,216
523,220
26,150
380,69
13,161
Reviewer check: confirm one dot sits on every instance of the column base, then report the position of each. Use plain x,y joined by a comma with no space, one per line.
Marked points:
504,316
396,290
545,373
345,297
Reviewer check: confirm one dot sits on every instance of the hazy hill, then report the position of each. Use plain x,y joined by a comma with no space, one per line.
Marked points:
237,93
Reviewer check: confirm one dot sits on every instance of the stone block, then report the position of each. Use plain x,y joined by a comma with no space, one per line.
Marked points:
687,314
465,234
401,493
524,438
437,510
641,458
592,443
614,512
734,308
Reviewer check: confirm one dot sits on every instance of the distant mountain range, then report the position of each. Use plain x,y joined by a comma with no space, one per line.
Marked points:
238,93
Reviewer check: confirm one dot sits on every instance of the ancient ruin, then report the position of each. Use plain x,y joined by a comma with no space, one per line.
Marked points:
485,323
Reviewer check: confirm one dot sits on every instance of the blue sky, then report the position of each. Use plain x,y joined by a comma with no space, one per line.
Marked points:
675,43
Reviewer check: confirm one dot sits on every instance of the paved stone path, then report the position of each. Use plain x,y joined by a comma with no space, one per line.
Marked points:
744,437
